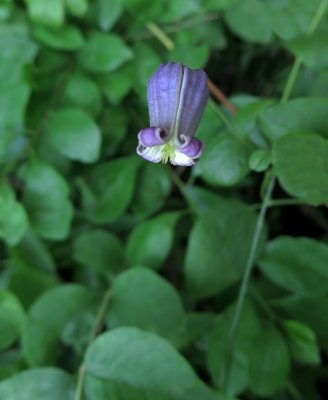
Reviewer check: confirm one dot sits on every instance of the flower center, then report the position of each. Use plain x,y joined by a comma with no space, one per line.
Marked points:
167,151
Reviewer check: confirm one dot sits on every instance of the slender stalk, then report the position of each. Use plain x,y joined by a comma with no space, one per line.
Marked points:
160,35
279,203
219,95
95,330
244,284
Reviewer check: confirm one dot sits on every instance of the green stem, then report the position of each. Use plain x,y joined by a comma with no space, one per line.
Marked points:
245,280
95,330
298,61
160,35
279,203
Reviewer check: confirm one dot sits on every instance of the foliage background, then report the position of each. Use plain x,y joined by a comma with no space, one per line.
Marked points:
122,279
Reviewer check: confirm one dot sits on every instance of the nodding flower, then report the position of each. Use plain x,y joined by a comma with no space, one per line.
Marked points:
177,96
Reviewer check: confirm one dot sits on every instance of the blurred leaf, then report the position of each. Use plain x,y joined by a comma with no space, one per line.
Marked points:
302,341
300,162
203,199
153,187
212,262
312,49
150,242
17,49
67,38
12,318
260,160
116,85
37,384
41,13
175,10
113,184
269,363
313,311
114,125
292,17
100,250
33,253
13,217
75,134
145,62
297,264
41,334
224,161
249,328
81,91
184,41
46,200
145,308
11,363
78,8
104,53
29,283
108,12
143,362
300,114
250,20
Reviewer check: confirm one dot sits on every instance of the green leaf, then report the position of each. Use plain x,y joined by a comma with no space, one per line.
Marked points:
112,184
216,256
12,318
17,50
37,384
81,91
100,250
184,41
75,134
145,62
260,160
250,20
28,283
67,38
312,49
145,308
41,13
145,363
269,363
104,53
41,334
46,199
153,187
309,114
32,252
116,85
224,161
108,12
13,217
300,161
150,242
249,328
312,311
302,341
297,264
291,18
78,8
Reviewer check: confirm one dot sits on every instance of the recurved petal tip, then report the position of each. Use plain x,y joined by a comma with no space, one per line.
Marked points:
194,149
154,136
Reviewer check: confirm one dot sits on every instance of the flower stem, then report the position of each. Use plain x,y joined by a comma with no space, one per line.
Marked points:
95,330
160,35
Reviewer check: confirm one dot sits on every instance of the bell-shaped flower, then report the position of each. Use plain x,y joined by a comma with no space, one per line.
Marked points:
177,96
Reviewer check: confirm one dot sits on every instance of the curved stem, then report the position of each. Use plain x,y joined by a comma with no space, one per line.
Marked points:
95,330
243,288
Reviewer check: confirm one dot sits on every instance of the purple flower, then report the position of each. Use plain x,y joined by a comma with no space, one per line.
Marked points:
177,96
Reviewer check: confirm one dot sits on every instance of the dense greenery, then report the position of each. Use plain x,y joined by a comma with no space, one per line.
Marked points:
126,280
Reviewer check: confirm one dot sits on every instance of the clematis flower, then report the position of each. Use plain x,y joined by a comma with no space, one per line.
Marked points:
177,96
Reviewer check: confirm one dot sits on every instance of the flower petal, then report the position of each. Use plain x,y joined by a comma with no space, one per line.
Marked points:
149,137
194,149
181,159
153,154
163,95
193,99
